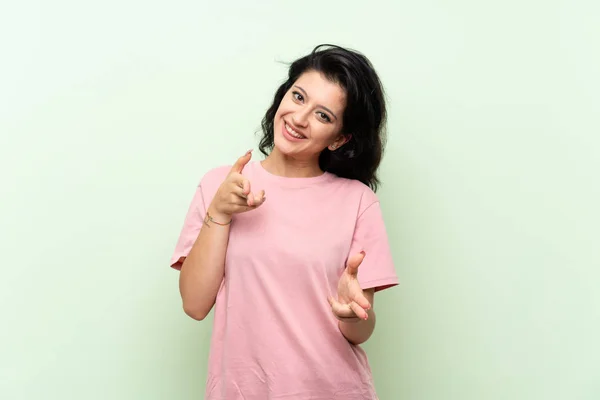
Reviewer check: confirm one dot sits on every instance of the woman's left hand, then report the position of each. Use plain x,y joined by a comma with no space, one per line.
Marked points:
351,304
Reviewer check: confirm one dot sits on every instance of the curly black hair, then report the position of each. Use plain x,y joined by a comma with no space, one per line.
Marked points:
364,116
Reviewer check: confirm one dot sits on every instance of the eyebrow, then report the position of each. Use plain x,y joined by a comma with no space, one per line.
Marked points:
318,105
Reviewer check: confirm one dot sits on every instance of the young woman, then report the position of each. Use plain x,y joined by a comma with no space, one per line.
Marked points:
291,250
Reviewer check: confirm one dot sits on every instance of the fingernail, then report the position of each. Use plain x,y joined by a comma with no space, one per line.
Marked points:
249,151
363,253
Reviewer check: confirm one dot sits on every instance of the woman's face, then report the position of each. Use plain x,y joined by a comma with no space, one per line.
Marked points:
309,117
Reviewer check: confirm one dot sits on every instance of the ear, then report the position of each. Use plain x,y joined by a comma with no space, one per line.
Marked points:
339,142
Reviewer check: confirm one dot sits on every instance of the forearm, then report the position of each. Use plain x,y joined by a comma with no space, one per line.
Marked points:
359,332
203,269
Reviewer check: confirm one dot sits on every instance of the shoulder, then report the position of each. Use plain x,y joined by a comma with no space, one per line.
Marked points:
359,192
214,177
211,180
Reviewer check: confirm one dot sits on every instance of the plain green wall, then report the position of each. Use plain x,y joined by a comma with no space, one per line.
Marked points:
111,112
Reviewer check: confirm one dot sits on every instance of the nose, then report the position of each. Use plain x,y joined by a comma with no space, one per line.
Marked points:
300,118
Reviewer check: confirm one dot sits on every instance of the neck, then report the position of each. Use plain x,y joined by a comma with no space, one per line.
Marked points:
287,166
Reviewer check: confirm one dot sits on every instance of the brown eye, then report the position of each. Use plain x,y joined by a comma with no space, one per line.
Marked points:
324,116
297,96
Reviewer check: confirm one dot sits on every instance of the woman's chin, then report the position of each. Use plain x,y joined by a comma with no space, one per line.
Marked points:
283,146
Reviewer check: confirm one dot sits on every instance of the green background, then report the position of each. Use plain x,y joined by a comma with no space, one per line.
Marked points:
110,112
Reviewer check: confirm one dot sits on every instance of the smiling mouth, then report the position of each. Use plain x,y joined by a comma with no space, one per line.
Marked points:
293,133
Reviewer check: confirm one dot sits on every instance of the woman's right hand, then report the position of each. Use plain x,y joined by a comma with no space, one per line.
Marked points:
234,195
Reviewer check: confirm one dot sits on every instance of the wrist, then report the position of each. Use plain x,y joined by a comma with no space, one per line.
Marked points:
216,216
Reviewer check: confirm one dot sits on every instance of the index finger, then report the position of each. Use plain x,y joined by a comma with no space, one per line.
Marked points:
354,262
241,162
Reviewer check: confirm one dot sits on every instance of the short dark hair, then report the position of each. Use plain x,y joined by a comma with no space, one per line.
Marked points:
364,116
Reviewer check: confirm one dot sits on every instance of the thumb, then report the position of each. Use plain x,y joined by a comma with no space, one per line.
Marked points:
354,262
241,162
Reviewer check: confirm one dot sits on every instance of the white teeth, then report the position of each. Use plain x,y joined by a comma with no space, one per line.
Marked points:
293,132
